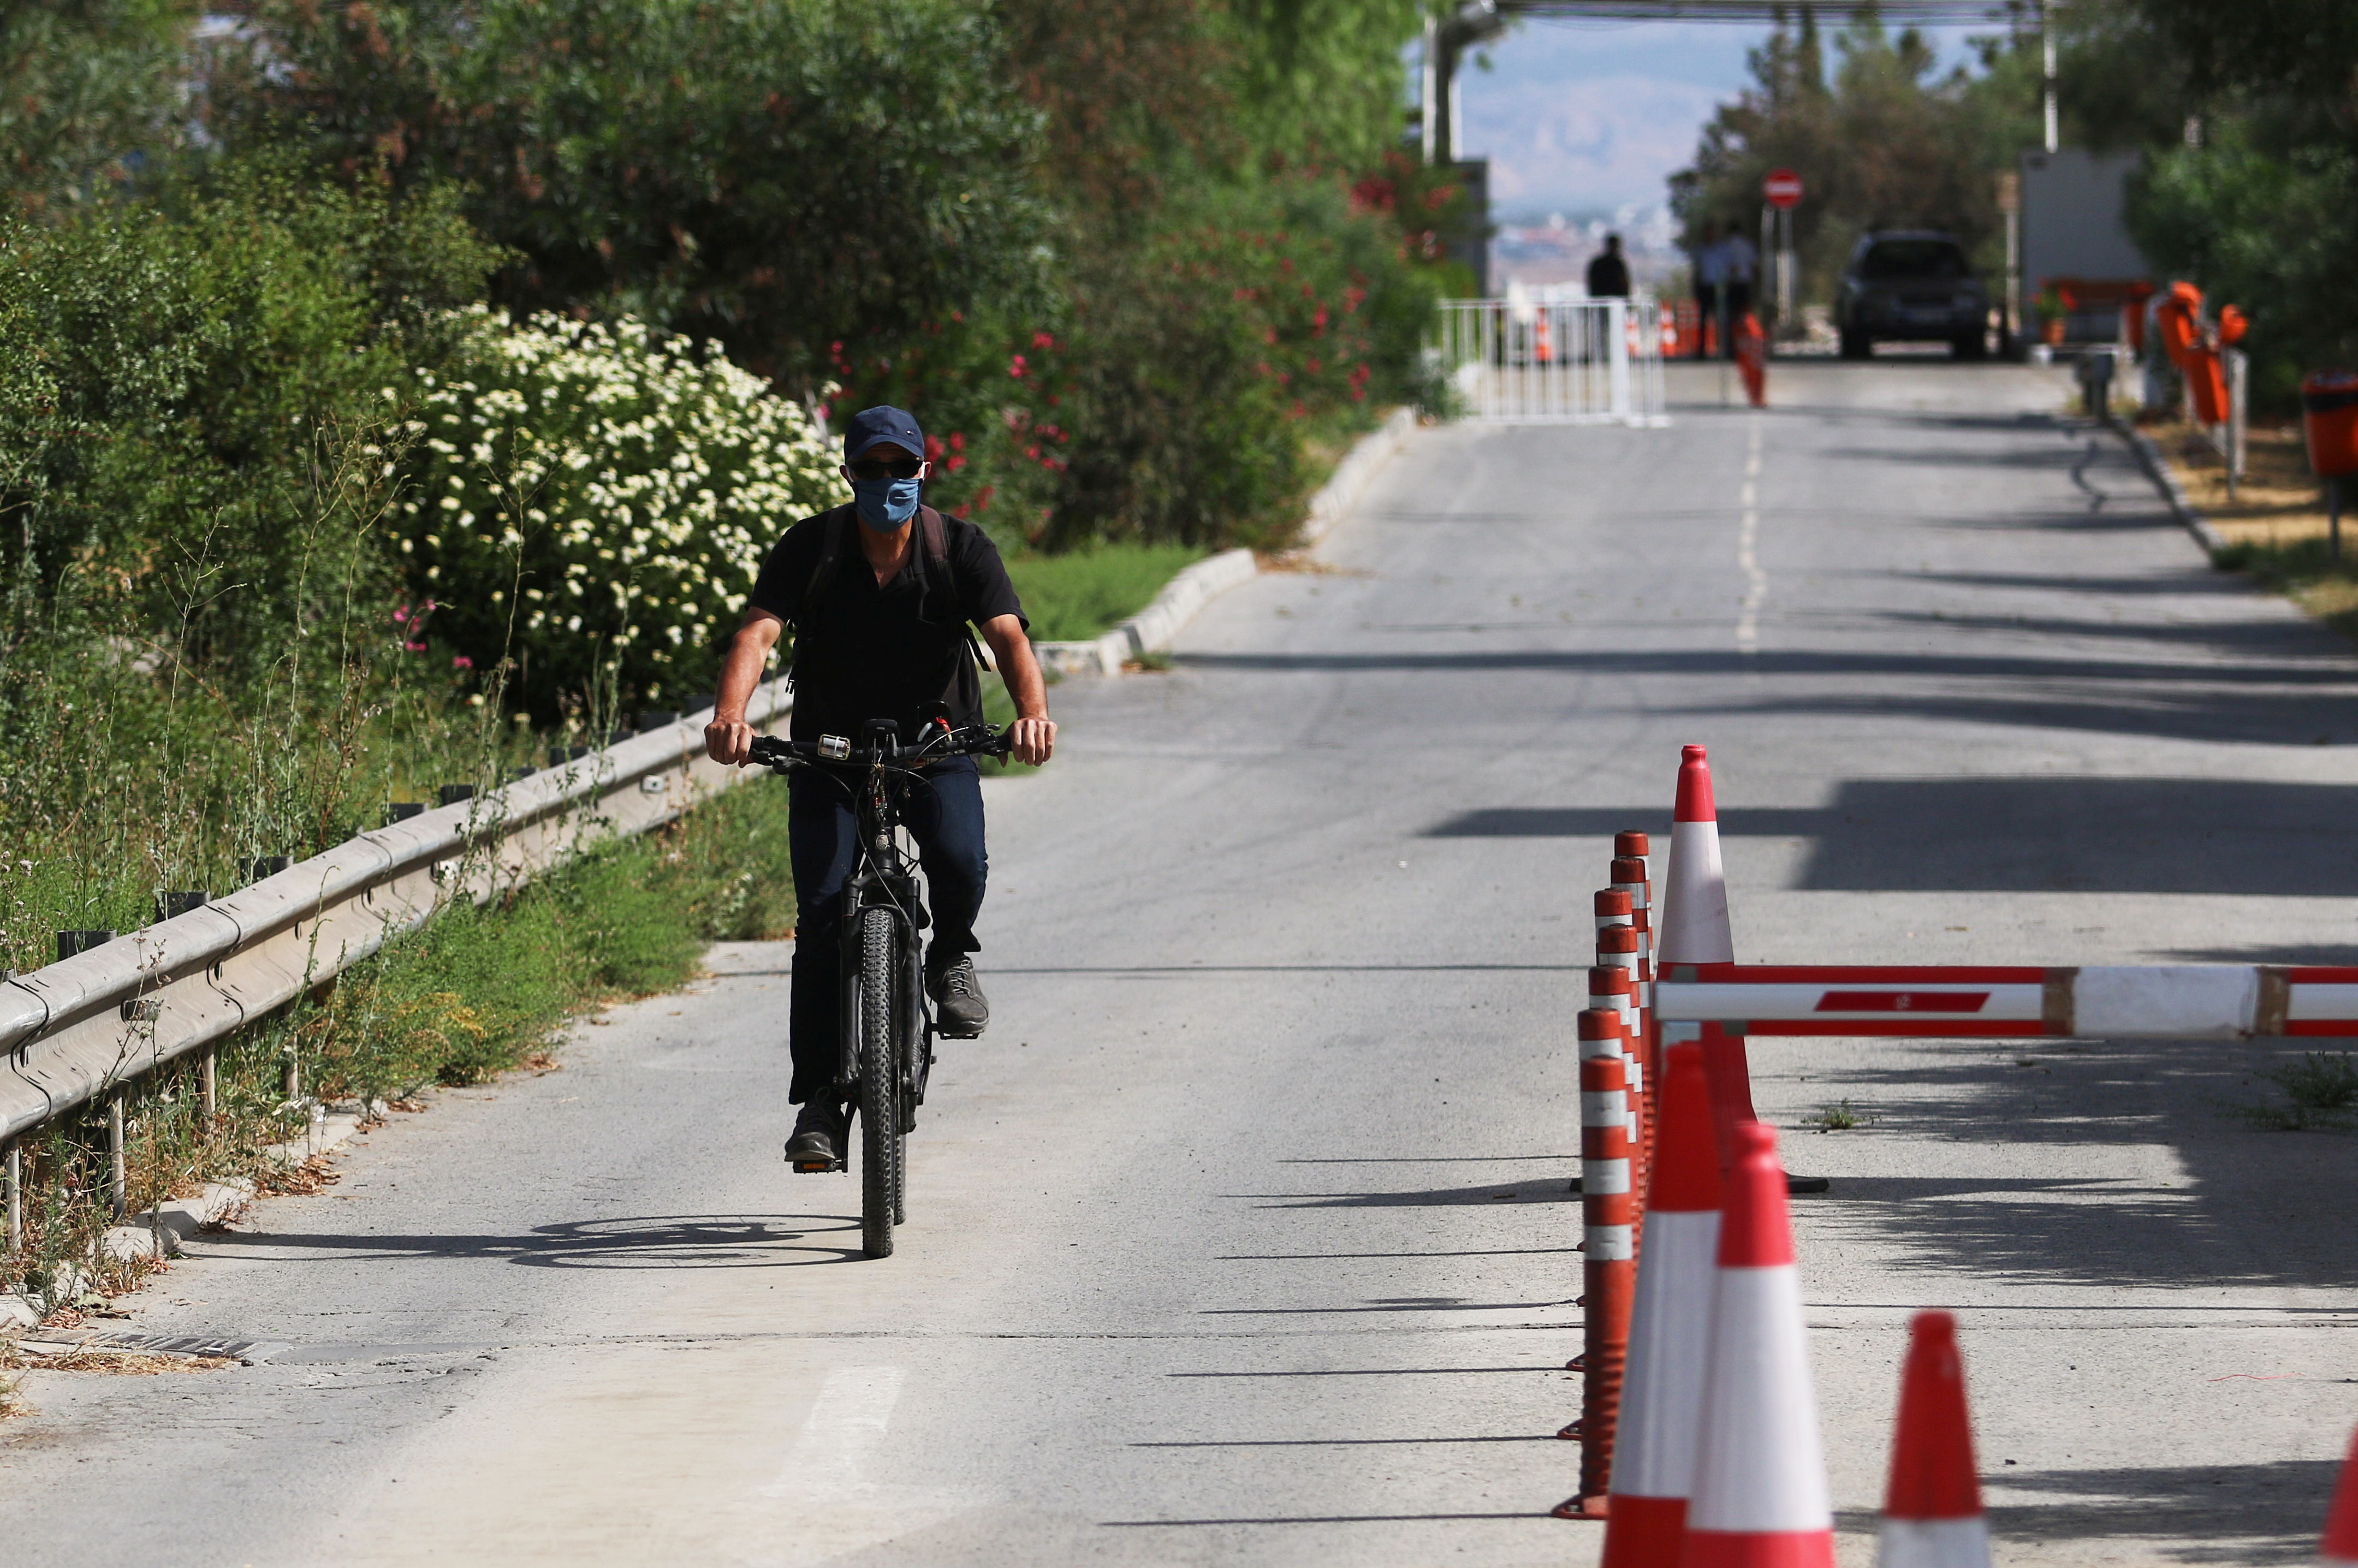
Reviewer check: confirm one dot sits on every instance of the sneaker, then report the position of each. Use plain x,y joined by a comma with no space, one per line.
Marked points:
819,1136
960,1012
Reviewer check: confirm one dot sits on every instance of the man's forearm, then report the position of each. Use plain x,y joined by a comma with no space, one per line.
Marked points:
740,671
1026,686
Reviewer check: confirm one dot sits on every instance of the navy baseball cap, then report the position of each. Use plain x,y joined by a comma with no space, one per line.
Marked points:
872,426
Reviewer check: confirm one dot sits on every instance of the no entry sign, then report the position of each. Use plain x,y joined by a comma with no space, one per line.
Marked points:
1782,188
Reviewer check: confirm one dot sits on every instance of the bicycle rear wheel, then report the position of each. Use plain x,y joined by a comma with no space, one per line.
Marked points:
880,1082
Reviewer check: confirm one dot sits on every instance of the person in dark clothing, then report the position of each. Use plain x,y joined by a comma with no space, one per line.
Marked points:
879,623
1608,274
1710,272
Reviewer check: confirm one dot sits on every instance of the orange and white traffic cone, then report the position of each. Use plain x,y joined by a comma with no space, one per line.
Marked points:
1932,1508
1760,1473
2339,1547
1609,1253
1695,928
1669,1327
1695,931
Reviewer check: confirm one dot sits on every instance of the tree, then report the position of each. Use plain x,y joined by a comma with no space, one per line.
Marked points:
778,175
87,94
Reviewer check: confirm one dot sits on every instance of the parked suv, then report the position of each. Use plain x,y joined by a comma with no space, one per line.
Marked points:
1911,284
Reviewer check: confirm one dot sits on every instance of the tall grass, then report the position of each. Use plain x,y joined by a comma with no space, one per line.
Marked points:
1076,595
474,993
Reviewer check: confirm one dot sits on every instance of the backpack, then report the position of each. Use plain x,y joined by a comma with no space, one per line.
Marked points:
934,552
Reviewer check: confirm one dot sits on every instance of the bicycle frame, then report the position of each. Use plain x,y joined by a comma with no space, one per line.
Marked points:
885,876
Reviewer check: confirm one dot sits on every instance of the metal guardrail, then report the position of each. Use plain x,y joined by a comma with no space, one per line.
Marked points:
74,1032
1564,362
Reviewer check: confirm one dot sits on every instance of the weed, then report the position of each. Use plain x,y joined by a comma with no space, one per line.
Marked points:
1838,1117
2323,1087
1153,660
2306,571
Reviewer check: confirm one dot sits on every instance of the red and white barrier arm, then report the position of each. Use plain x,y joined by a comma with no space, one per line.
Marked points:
1950,1002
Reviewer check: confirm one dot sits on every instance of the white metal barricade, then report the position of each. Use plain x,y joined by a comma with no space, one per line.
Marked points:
1566,361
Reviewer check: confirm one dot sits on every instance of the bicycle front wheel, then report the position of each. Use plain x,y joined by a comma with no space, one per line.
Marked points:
880,1082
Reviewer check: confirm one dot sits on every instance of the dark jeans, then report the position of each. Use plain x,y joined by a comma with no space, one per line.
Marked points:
943,811
1706,313
1739,300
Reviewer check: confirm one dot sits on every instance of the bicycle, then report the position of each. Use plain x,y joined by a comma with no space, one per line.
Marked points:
887,1025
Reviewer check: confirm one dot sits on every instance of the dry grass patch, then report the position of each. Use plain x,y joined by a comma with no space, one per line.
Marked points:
2279,502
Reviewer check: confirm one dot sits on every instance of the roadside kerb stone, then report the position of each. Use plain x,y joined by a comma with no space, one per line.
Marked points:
182,1217
1158,625
2157,469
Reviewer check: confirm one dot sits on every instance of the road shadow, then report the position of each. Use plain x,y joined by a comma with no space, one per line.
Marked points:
2242,1206
665,1242
2254,1514
2022,834
1555,1187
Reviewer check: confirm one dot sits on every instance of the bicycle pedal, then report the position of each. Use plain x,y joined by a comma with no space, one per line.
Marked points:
818,1167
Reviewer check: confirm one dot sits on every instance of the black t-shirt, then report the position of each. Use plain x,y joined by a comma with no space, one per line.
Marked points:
1608,277
864,652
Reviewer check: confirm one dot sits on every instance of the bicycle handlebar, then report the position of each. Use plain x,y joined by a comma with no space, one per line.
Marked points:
839,752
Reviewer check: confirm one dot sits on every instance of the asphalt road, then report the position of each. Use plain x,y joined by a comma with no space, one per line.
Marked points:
1244,1236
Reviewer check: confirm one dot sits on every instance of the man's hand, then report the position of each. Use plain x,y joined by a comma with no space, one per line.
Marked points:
1034,739
729,740
1032,736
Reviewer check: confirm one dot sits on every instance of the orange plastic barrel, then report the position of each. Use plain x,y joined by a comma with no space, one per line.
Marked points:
2329,416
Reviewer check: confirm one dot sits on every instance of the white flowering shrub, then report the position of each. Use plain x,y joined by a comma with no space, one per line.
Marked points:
594,501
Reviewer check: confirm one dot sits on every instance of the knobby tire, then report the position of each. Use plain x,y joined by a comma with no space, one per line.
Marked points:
879,1080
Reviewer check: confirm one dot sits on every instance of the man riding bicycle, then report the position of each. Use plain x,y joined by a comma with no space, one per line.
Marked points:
880,592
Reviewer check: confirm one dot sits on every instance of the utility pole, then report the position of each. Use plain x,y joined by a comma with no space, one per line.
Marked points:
1474,22
2047,39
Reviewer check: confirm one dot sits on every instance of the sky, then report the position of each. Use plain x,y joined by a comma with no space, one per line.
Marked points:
1588,116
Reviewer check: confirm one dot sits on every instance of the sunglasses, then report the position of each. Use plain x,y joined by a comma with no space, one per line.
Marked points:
898,468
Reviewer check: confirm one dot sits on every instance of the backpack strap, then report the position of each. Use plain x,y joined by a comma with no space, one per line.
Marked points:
835,538
932,537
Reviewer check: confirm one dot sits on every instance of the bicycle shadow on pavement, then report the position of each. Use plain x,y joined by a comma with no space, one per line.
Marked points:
660,1241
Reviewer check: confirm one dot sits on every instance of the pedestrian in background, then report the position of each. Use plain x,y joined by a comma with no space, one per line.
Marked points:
1739,266
1709,271
1608,274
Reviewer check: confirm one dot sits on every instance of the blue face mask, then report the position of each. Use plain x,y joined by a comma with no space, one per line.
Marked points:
886,503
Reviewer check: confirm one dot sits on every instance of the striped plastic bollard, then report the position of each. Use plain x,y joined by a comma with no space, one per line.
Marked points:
1617,946
1629,876
1610,987
1608,991
1608,1269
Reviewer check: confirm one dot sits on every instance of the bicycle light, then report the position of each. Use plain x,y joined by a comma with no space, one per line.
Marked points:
835,748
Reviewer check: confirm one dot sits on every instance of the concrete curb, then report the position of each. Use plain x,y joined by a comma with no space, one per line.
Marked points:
1342,492
182,1217
2157,468
1154,627
1184,596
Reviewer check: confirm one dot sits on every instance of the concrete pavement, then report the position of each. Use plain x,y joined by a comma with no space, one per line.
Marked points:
1244,1235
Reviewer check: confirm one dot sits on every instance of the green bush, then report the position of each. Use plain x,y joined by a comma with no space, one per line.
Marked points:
595,502
776,174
